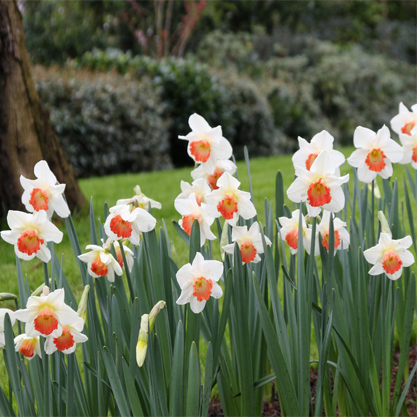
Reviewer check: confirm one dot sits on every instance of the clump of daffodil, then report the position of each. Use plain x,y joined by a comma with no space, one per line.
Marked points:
147,321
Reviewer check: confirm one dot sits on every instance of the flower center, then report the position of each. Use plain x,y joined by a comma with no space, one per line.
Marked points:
65,341
202,288
247,251
391,262
46,321
29,241
212,179
309,161
200,150
39,199
375,160
120,227
414,155
292,238
318,194
228,206
28,347
325,241
187,222
99,267
407,128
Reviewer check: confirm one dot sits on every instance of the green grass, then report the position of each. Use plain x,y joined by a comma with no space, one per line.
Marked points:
162,186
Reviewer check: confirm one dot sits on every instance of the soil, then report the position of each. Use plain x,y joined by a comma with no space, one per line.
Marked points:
272,409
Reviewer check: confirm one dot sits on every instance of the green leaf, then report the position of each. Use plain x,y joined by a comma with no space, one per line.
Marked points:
192,407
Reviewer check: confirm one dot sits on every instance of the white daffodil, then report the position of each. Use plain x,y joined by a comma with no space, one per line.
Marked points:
30,234
190,211
206,144
222,166
129,255
199,187
198,281
67,342
46,314
3,312
101,262
126,222
375,154
405,120
319,187
390,256
409,142
341,235
249,241
44,193
140,200
28,346
230,201
308,152
289,233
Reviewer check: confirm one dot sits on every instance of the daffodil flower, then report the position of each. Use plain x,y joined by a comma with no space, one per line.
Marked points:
203,213
341,235
390,256
230,201
319,187
222,166
140,200
206,144
44,193
3,312
198,282
200,188
405,120
129,255
67,342
409,142
28,346
30,234
47,314
101,262
375,154
125,222
308,152
249,241
289,233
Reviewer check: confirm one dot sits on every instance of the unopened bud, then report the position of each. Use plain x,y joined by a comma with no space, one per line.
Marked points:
142,345
5,296
137,190
377,193
154,312
384,223
45,291
82,305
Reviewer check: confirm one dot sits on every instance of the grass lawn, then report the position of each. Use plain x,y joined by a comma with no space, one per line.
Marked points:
162,186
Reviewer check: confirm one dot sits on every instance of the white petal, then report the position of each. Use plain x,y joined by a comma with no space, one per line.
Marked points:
60,206
44,173
198,123
246,209
407,257
18,219
387,171
216,291
51,233
297,192
197,306
44,254
186,295
365,174
363,137
374,254
212,270
377,269
185,275
357,159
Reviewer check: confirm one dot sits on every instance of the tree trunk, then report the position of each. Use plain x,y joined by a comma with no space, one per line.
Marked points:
26,135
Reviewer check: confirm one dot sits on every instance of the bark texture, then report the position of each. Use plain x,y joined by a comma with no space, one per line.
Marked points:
26,135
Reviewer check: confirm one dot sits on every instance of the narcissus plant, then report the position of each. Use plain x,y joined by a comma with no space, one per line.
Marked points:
249,242
198,282
44,193
206,144
375,153
341,235
30,234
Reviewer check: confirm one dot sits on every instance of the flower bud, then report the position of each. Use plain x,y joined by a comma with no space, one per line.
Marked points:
4,296
155,311
82,305
142,345
384,223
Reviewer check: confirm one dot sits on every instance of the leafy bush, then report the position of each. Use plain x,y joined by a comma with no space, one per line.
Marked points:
106,124
186,87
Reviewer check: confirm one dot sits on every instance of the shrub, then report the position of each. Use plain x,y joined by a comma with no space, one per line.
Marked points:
106,124
186,86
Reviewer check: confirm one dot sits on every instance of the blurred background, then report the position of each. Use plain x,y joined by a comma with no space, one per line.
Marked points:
120,78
